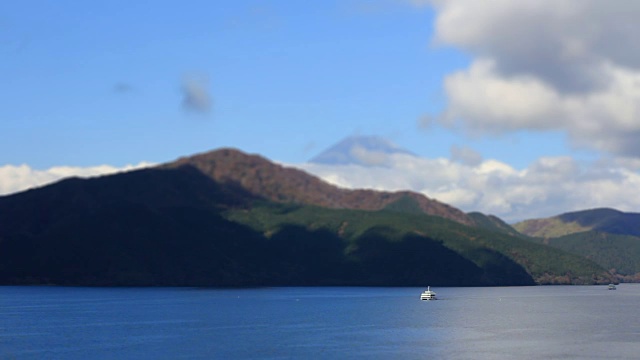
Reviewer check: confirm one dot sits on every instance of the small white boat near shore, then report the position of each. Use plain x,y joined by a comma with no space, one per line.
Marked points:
611,287
428,294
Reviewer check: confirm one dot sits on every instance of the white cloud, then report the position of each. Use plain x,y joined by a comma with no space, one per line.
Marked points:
17,178
480,101
563,42
568,65
547,187
465,155
373,158
483,102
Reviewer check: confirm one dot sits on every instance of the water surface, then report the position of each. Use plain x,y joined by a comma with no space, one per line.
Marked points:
561,322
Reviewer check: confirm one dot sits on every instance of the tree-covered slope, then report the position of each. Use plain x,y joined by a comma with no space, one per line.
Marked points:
146,227
609,237
280,184
493,223
618,253
603,220
495,254
191,225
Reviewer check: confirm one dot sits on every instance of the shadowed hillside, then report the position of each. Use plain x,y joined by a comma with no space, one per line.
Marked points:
491,252
618,253
230,219
606,236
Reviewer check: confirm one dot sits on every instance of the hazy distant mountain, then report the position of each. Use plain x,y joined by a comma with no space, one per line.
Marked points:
361,150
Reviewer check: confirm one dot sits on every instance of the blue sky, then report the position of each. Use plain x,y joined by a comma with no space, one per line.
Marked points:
119,83
100,83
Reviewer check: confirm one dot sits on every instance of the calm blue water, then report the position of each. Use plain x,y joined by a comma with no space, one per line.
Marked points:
544,322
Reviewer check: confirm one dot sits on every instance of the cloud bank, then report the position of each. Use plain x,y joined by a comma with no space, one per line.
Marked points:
567,65
547,187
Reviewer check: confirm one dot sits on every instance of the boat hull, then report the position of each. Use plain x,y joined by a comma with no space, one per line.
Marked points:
428,295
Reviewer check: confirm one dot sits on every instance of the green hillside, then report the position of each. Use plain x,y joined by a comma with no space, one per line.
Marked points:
490,251
618,253
549,228
603,220
182,226
494,223
609,237
606,220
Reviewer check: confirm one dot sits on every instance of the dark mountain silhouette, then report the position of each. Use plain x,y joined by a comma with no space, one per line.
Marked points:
226,218
151,226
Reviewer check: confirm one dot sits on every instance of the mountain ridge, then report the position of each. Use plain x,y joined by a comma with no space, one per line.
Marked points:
607,236
279,183
226,218
600,219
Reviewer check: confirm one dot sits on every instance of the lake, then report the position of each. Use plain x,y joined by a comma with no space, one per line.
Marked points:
541,322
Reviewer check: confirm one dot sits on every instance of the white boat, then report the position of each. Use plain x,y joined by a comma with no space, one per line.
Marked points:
428,294
611,287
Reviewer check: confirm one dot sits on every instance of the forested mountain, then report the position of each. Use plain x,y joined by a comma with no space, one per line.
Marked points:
261,177
620,254
602,220
494,223
226,218
607,236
